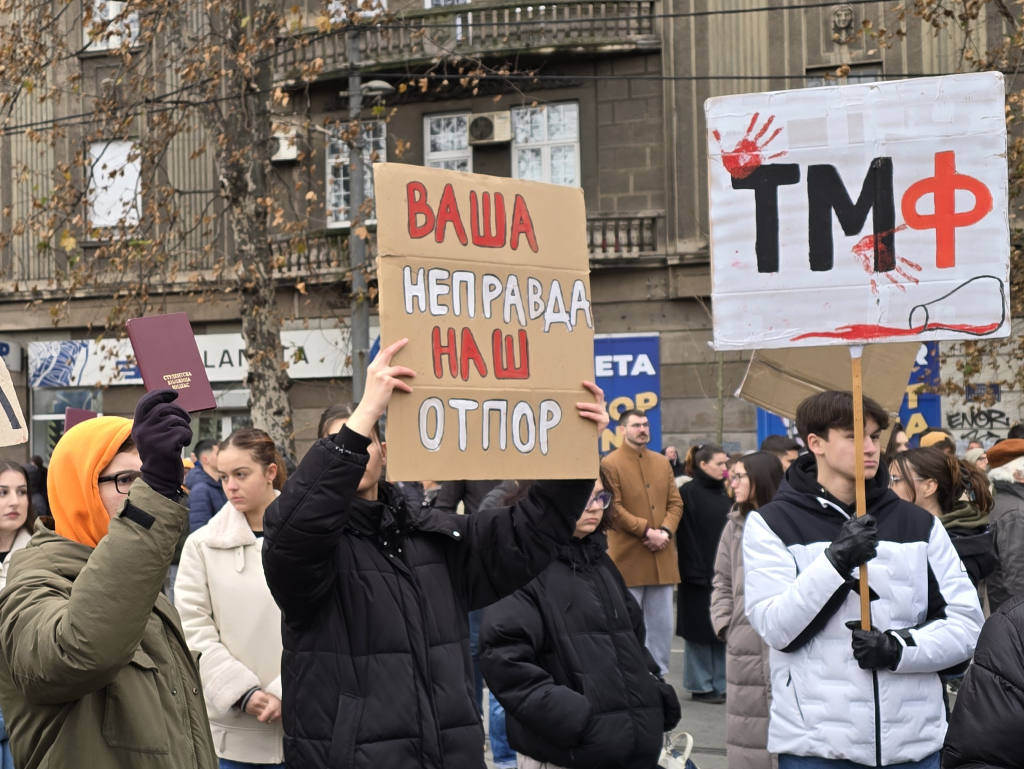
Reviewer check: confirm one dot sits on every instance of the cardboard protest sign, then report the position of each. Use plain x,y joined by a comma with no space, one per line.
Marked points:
72,416
489,280
13,428
860,213
777,380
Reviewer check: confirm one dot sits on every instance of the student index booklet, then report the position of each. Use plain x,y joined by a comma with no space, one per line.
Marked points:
168,357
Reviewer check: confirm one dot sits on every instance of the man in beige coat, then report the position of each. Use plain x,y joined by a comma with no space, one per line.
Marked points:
645,513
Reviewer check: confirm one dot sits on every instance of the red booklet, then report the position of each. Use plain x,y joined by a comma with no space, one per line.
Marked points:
167,354
73,416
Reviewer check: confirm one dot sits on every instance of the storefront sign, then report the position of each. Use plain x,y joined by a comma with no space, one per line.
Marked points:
310,354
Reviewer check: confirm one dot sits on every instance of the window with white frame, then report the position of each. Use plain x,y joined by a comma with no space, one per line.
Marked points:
446,142
114,192
546,143
116,22
339,172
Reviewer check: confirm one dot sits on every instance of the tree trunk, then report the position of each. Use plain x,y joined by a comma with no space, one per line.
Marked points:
244,128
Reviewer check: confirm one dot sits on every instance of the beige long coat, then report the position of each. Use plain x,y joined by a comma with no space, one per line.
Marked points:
229,616
645,496
747,671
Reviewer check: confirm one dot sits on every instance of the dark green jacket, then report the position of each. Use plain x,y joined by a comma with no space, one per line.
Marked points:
94,668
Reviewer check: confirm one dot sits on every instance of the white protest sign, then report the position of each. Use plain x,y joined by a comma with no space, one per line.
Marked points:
860,213
13,429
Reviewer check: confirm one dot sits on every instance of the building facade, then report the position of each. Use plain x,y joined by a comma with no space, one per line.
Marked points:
607,96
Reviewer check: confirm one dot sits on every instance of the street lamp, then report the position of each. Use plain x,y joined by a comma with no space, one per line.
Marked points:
359,323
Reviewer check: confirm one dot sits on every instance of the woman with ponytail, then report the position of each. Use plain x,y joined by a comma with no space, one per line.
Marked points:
705,509
957,493
227,611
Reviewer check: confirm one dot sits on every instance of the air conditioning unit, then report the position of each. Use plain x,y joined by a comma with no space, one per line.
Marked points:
490,128
286,148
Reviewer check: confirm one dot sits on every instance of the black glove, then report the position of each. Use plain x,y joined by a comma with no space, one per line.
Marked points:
857,543
161,430
875,649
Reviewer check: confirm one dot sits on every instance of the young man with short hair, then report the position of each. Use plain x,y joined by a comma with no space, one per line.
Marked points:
646,508
842,696
206,497
782,446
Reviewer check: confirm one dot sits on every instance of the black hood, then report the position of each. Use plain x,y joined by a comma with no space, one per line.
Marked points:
707,481
583,553
386,517
800,487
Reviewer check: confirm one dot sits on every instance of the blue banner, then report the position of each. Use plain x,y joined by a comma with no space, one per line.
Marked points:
922,410
772,424
628,368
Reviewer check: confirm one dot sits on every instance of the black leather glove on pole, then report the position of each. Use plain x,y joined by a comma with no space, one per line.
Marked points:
856,543
161,430
874,649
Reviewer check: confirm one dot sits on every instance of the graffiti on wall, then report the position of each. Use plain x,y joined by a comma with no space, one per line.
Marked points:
978,423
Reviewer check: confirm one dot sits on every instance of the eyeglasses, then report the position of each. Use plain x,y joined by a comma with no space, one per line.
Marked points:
122,480
894,479
734,476
603,498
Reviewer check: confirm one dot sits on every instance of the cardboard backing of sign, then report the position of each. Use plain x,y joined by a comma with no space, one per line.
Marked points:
874,212
489,279
72,416
777,380
13,428
168,357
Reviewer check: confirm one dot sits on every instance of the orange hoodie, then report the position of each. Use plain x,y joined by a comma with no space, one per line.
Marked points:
79,456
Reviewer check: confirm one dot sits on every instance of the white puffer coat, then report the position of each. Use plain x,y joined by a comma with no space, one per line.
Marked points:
823,703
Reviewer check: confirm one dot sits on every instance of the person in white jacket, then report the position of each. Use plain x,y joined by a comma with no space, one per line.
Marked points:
16,523
227,612
16,518
843,696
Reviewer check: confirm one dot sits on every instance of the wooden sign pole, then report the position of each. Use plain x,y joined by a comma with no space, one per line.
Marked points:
856,353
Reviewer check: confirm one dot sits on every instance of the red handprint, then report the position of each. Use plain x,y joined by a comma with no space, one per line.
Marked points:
864,250
745,157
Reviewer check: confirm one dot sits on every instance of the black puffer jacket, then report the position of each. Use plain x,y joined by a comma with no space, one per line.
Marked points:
705,512
565,657
376,666
985,726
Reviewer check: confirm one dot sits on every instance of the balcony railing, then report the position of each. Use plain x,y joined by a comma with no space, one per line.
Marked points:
624,236
609,237
492,27
324,257
323,254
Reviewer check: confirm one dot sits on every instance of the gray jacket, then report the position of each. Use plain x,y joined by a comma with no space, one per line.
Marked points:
747,670
1007,521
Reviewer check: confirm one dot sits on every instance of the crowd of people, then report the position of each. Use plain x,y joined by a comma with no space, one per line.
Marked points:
251,614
